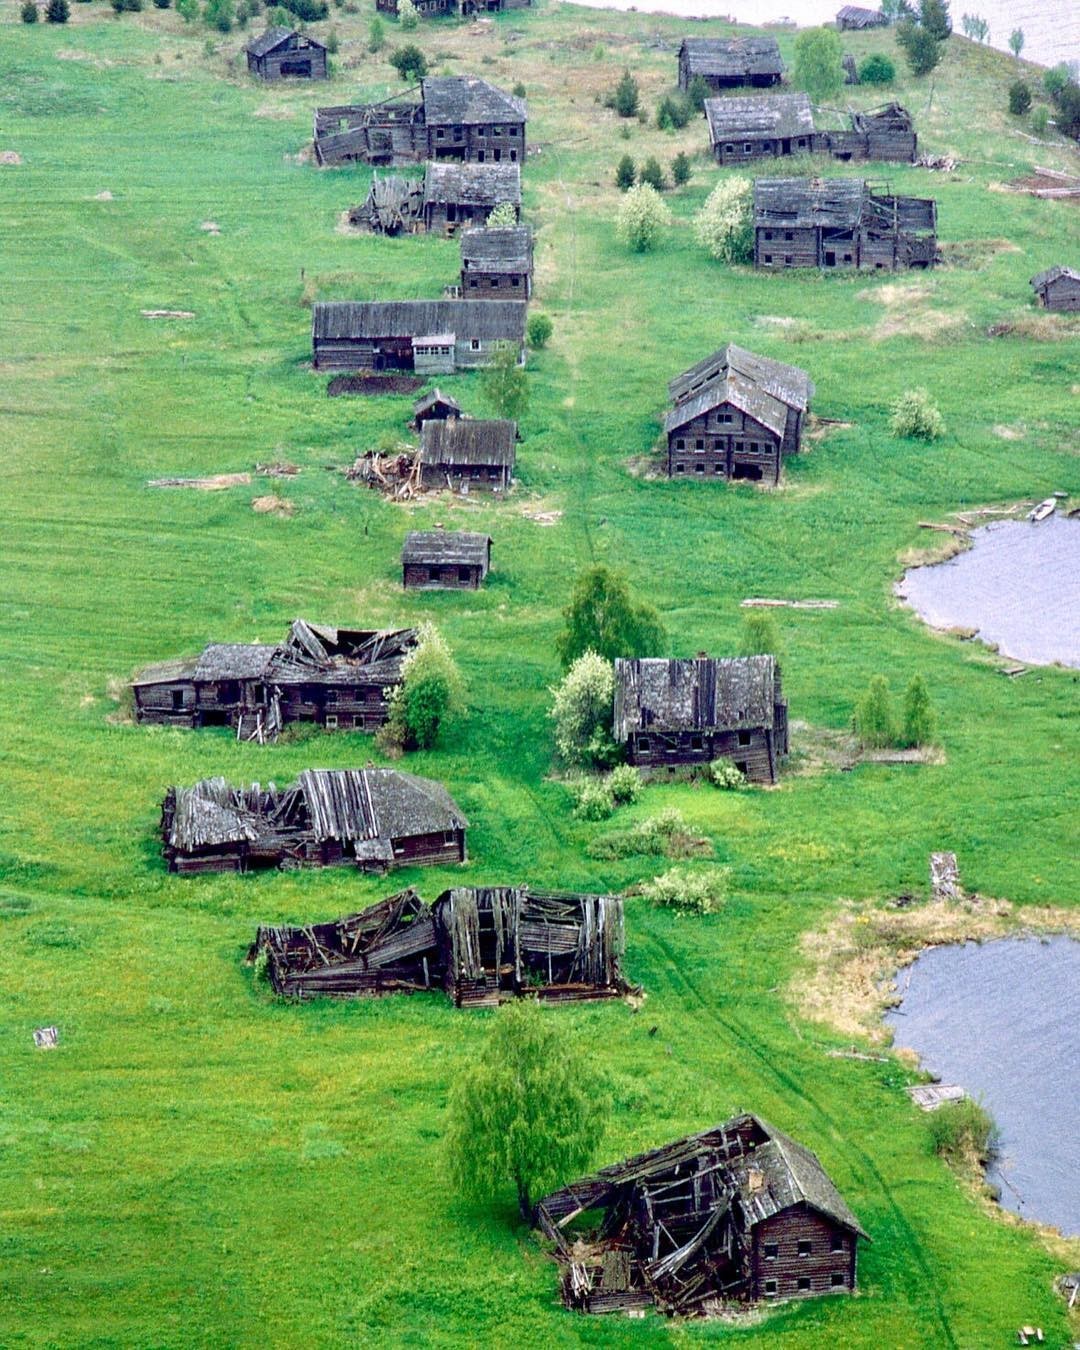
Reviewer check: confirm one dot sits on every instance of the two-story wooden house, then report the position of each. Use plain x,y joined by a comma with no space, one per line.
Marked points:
457,196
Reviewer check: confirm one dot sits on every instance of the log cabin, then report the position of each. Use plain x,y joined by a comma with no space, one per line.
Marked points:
460,195
497,264
838,223
445,560
464,8
769,126
280,53
1058,288
458,117
727,63
372,819
480,944
856,19
736,415
434,406
468,453
738,1213
674,713
885,134
432,337
337,678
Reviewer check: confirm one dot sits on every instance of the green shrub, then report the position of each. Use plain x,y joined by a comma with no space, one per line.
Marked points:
625,784
538,330
723,774
760,635
652,174
818,69
29,12
664,834
592,799
57,11
697,91
961,1132
625,98
519,90
875,724
1019,98
376,35
642,218
914,417
692,891
219,14
189,10
934,18
604,618
408,16
919,719
504,384
581,709
1040,119
724,225
333,42
1055,79
920,47
680,169
672,114
409,62
876,69
430,691
625,173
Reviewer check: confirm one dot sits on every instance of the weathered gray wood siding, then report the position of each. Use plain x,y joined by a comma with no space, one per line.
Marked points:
813,1256
440,576
752,750
709,447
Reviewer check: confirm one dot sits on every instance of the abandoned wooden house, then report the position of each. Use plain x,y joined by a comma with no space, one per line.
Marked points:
479,944
854,19
373,819
434,406
338,678
282,52
432,337
496,264
670,713
1058,288
458,117
457,195
394,205
740,1213
840,223
768,126
727,63
468,453
445,560
735,416
464,8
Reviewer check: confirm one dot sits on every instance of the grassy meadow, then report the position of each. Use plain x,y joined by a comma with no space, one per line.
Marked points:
199,1166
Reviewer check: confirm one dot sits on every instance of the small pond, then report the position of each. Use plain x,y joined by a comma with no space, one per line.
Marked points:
1002,1020
1018,586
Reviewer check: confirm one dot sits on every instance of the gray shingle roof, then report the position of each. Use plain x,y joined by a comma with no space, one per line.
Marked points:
769,116
497,250
466,100
740,393
468,440
863,18
732,57
702,693
490,320
435,398
790,384
266,42
233,661
459,548
1052,274
835,203
472,184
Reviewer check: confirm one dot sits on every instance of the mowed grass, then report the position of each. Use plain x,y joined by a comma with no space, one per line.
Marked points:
199,1166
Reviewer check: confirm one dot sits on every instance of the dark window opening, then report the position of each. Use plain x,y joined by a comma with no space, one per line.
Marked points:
804,1247
740,764
463,574
837,1243
837,1279
643,743
696,743
772,1251
804,1281
178,700
770,1288
744,738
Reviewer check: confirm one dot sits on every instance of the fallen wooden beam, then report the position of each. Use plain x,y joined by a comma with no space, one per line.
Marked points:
759,602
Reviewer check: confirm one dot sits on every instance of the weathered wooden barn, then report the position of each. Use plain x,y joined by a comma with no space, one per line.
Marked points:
738,1213
458,195
685,712
445,560
468,453
840,223
373,819
479,944
458,117
853,19
497,264
1058,288
727,63
433,337
282,52
434,406
772,125
735,416
338,678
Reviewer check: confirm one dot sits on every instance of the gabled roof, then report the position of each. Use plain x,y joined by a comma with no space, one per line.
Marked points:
497,249
836,204
740,393
856,15
790,384
233,661
435,398
1053,274
459,548
773,116
490,320
702,693
466,100
472,184
731,57
468,440
274,37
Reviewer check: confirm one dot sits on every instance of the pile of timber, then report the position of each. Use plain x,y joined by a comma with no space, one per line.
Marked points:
398,475
394,205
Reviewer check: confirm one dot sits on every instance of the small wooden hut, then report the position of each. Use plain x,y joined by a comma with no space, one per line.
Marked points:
727,63
1058,288
854,19
456,560
459,195
434,406
742,129
281,53
433,337
497,264
468,453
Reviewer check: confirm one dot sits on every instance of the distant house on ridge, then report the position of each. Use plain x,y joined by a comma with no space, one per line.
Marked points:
282,52
727,63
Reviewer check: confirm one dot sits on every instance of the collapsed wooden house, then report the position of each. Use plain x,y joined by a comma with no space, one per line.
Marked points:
670,713
464,8
281,52
840,223
432,337
373,819
1058,288
338,678
466,453
394,205
727,63
854,19
434,406
735,416
480,944
457,117
739,1213
445,560
766,127
457,195
497,264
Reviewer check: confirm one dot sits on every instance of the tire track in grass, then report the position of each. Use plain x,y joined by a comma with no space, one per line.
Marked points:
788,1082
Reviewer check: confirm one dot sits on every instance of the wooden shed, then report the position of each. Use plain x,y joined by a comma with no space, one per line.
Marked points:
456,560
740,1212
853,19
497,264
373,819
468,453
433,337
280,53
840,223
735,416
685,712
727,63
1058,288
457,195
742,129
434,406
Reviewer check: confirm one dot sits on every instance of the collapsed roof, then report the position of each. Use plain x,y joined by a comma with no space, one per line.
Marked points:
728,58
702,693
777,116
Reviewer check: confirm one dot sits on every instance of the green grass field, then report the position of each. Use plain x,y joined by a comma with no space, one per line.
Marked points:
198,1166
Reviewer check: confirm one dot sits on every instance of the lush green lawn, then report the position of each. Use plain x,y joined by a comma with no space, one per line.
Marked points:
197,1166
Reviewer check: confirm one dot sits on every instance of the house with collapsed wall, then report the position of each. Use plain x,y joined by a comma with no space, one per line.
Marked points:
1058,288
281,53
671,713
432,337
468,453
480,944
727,63
445,560
497,264
337,678
461,195
372,819
741,1213
770,126
837,223
458,117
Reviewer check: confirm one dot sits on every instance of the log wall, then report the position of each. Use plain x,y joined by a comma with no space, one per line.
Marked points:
800,1271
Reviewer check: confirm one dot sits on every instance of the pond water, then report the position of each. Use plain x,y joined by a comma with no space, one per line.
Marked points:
1018,585
1002,1020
